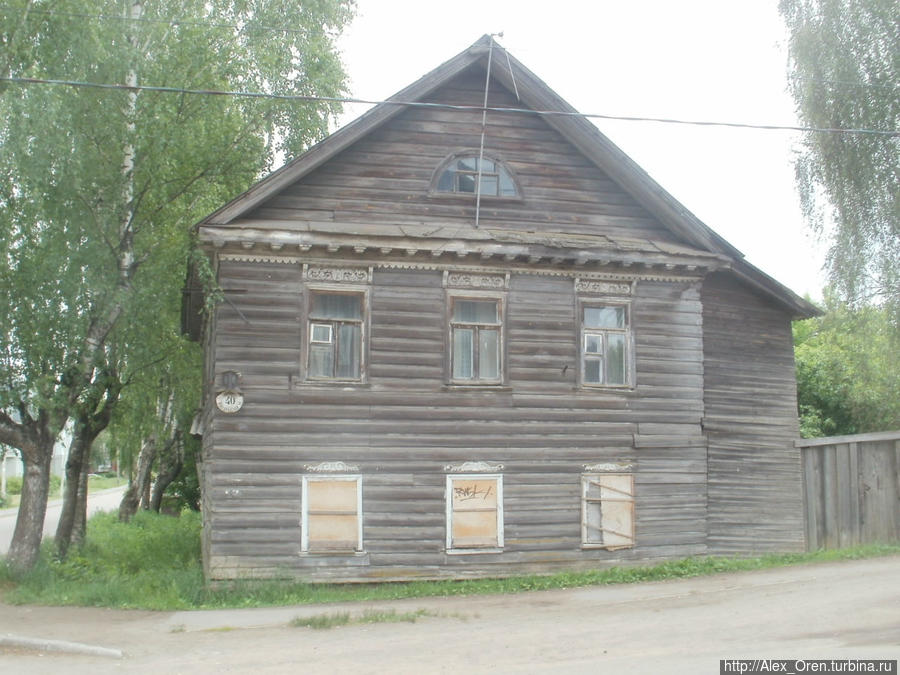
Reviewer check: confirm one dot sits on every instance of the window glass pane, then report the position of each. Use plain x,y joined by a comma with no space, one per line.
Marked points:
615,359
445,182
336,306
592,370
321,332
489,185
487,166
321,360
604,317
467,164
593,344
488,354
475,311
462,353
466,182
507,187
348,350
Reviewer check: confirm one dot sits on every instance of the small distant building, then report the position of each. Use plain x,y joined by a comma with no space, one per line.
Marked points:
450,348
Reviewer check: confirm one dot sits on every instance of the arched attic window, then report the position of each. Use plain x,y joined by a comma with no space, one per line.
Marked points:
459,174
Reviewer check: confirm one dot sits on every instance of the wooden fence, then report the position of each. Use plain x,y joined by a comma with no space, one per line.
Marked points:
851,489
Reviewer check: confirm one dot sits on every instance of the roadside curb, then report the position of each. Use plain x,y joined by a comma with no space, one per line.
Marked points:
42,645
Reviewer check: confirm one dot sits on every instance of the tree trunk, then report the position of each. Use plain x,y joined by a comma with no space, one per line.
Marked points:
26,541
131,500
93,417
80,524
79,453
170,464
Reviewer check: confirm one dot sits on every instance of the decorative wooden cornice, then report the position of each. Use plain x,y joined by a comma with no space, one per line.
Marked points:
691,273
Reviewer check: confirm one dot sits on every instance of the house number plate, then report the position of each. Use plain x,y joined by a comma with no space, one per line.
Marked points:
229,401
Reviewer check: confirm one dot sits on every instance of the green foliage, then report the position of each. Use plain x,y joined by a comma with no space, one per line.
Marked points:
184,491
153,562
848,374
14,485
845,72
99,188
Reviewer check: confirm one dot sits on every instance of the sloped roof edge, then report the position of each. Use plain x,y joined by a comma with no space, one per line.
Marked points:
578,130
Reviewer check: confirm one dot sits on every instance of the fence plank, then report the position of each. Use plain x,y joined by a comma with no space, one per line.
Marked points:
851,489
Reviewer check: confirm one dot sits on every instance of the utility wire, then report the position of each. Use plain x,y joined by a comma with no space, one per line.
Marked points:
446,106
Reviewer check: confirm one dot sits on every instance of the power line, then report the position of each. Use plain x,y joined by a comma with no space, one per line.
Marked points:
444,106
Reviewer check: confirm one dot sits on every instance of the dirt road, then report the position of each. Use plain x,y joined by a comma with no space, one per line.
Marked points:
834,610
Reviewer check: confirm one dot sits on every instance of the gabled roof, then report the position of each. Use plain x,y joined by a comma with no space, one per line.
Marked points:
578,130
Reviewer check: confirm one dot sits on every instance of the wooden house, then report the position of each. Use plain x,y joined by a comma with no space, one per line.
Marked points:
463,340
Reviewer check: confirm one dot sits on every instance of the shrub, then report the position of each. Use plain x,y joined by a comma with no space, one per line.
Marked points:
14,485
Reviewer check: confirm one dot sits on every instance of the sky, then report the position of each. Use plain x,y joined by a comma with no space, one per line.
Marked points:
710,60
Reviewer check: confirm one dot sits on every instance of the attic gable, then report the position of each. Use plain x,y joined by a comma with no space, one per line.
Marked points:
633,207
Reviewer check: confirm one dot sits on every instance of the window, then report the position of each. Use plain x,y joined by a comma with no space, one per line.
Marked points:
476,339
336,330
607,510
605,355
331,514
461,176
474,512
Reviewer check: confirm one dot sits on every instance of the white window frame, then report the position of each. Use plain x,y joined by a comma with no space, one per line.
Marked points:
603,333
588,541
477,296
306,479
465,550
316,289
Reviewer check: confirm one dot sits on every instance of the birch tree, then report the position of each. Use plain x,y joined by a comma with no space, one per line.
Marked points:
845,73
98,186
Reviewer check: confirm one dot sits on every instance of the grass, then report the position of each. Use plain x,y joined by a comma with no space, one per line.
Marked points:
324,621
154,563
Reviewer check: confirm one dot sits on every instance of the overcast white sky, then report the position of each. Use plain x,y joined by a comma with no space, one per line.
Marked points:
719,60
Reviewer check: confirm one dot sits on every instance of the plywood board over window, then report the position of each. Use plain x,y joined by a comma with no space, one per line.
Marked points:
332,514
607,510
474,513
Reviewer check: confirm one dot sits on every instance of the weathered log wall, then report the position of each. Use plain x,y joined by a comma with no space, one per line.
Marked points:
750,395
403,426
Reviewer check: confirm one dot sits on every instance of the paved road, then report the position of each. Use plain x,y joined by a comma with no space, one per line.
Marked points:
103,500
834,610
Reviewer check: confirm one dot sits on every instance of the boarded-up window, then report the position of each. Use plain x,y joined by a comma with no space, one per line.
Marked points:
332,519
474,512
607,510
